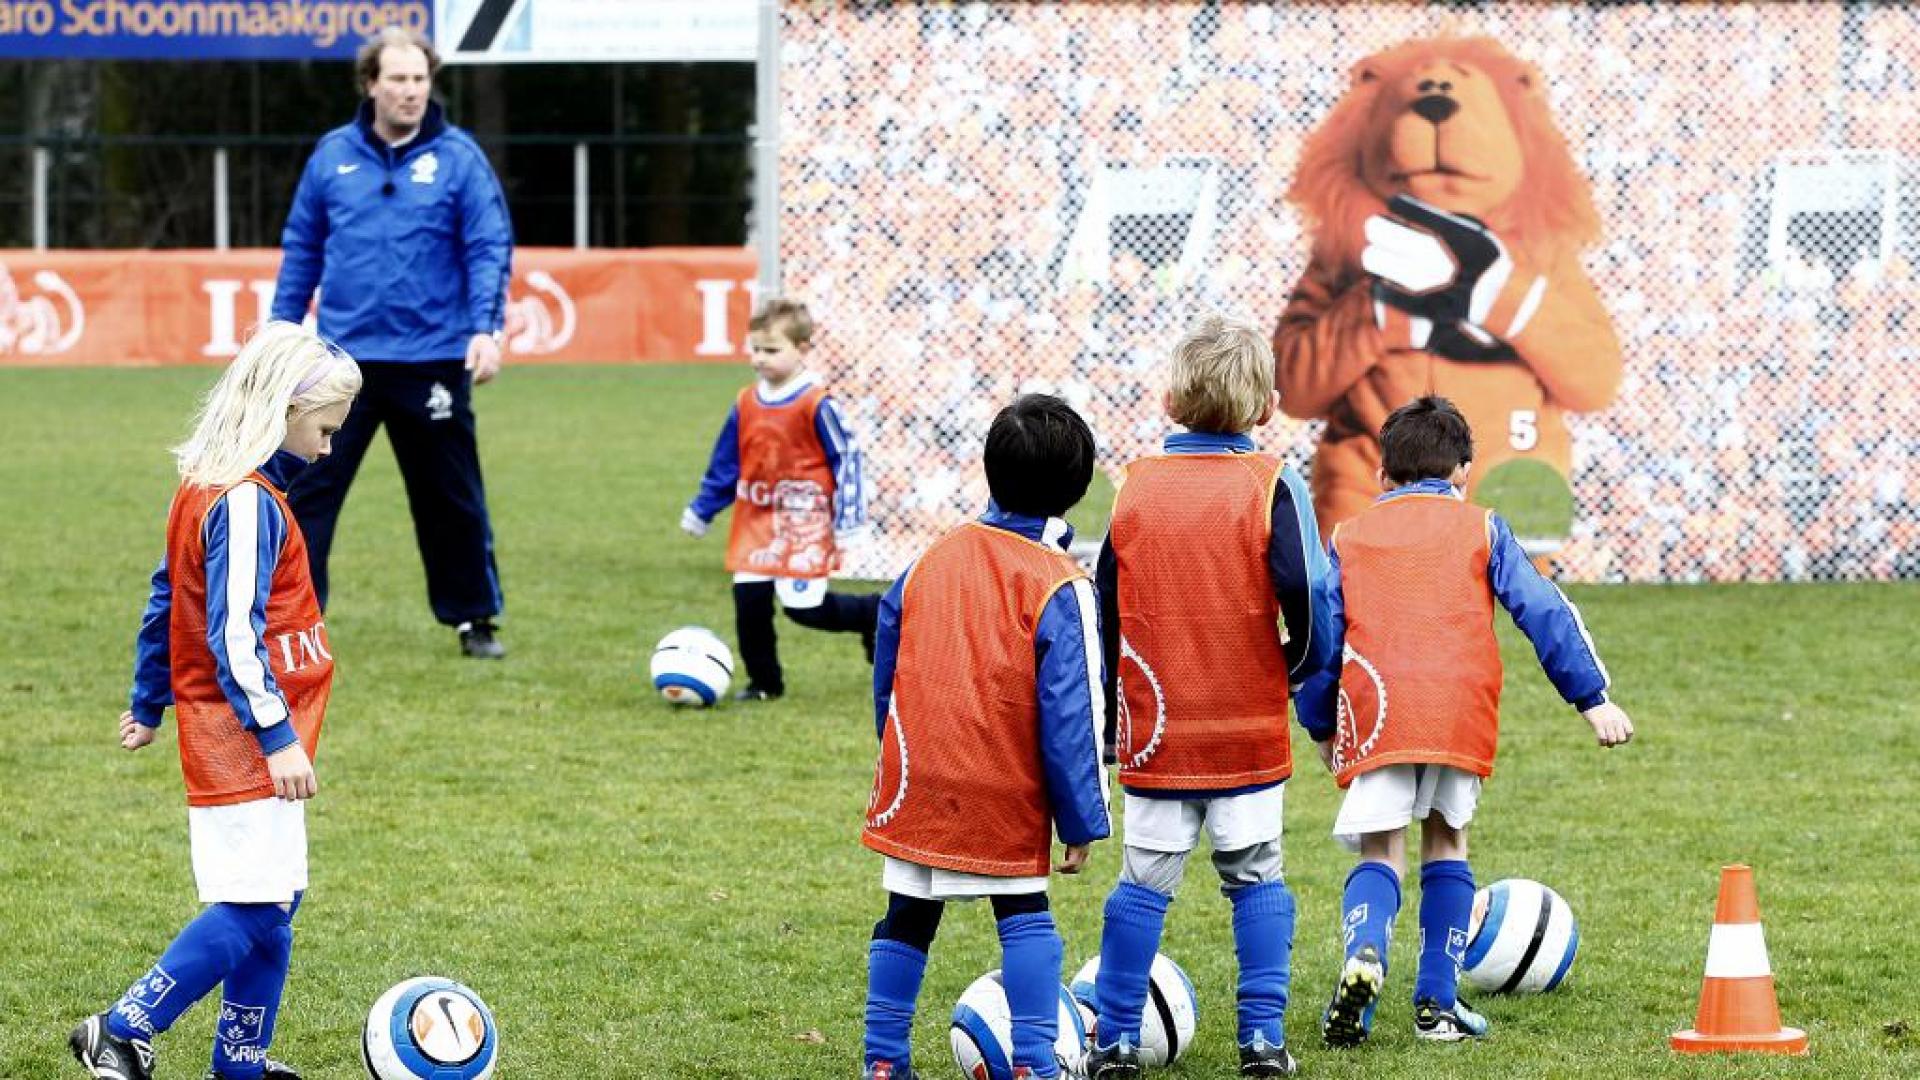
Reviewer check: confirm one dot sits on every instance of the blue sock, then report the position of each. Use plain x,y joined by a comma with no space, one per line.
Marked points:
1446,904
1030,953
1263,938
894,971
1371,903
1128,941
203,954
251,1003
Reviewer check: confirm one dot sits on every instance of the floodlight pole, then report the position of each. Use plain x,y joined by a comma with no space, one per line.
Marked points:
766,151
42,165
221,227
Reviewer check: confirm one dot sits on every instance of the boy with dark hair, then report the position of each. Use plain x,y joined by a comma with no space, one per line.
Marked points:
1409,725
786,464
1213,544
987,700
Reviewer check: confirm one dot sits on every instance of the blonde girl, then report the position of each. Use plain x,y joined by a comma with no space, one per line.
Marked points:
233,640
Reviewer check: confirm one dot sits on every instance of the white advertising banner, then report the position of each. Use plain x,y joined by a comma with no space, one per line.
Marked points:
587,31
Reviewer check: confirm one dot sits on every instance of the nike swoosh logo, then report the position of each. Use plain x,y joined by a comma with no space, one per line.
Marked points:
345,169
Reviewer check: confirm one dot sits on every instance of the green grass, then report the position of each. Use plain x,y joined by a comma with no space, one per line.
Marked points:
640,892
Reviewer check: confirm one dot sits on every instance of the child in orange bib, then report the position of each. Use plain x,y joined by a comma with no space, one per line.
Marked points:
1213,544
786,465
987,699
233,640
1408,725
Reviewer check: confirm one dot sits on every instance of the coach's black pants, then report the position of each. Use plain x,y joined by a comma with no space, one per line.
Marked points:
428,411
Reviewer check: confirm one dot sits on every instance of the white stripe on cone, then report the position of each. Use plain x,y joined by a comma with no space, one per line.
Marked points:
1737,951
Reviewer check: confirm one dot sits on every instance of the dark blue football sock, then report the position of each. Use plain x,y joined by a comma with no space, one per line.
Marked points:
203,954
1263,939
1446,904
1128,941
1030,953
1371,903
251,1003
894,971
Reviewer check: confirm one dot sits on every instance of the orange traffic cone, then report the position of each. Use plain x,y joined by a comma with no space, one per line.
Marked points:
1737,1007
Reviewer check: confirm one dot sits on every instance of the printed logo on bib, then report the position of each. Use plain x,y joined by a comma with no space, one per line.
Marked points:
1363,711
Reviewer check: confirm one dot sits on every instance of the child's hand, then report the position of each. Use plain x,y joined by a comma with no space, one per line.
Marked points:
1073,861
133,733
691,524
1325,747
293,777
1611,725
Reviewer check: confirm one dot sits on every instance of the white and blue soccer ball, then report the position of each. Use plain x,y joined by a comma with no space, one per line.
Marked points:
1171,1015
982,1032
1521,939
430,1029
692,666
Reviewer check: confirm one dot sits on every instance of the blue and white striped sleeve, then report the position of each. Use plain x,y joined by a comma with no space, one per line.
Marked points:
245,532
152,653
717,487
1072,712
1548,618
847,463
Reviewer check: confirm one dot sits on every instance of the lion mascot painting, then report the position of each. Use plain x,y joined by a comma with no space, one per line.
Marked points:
1448,220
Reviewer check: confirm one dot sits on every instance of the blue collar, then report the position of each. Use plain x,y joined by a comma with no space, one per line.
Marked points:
1208,442
282,467
1051,531
1435,486
432,125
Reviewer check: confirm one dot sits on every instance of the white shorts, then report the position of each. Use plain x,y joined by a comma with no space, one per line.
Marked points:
1232,822
1396,796
801,593
932,883
249,853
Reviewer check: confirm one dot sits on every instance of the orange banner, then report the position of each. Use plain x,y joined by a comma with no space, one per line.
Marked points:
657,305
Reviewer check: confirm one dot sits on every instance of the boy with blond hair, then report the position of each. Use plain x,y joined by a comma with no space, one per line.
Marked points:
1212,546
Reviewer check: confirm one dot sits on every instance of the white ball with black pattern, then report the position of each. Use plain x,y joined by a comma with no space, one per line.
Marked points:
691,666
1167,1021
1521,939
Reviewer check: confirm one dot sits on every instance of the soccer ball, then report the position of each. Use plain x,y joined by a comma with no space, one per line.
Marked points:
430,1029
1172,1012
1521,938
691,666
982,1032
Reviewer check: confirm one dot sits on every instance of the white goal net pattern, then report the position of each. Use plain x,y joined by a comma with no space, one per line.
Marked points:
982,199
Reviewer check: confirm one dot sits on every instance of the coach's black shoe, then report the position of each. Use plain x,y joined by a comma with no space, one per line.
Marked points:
1350,1014
478,640
1121,1061
109,1058
753,693
275,1070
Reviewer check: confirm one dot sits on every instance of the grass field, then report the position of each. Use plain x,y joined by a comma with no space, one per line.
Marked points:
640,892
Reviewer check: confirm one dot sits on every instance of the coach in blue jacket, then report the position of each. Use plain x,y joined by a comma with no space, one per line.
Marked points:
401,223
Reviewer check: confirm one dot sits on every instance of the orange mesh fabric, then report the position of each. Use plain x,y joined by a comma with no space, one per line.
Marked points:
783,508
960,784
1421,681
220,759
1203,679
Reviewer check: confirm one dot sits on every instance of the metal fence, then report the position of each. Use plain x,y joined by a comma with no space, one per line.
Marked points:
1754,166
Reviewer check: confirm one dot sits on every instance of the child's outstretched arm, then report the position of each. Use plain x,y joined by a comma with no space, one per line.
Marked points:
1072,711
1559,636
152,663
246,534
717,486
